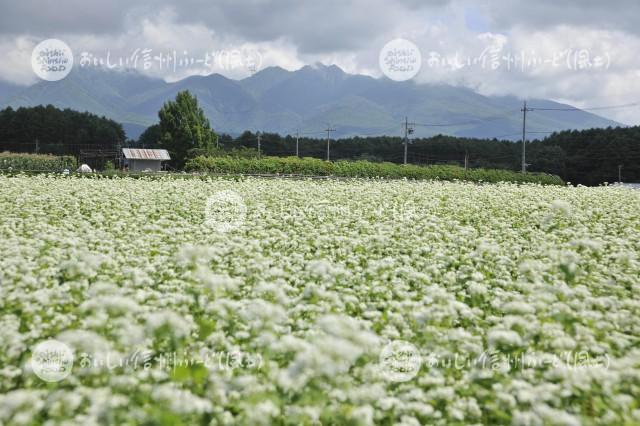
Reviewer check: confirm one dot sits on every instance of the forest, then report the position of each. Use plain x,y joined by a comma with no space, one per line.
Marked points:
50,130
587,157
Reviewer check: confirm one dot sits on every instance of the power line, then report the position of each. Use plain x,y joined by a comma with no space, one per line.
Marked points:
598,108
524,110
376,132
312,132
504,136
464,123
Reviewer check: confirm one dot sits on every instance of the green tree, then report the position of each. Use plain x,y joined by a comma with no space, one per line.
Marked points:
184,129
150,137
547,158
49,130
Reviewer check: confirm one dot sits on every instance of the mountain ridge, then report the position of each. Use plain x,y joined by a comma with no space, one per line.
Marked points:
281,101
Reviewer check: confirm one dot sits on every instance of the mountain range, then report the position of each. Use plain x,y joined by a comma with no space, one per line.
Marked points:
308,99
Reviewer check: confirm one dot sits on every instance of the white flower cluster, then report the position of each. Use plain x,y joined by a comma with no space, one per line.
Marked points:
119,267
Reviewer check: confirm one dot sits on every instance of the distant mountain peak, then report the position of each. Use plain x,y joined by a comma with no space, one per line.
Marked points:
319,66
275,69
276,100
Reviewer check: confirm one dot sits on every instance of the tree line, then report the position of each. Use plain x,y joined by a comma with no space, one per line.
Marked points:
50,130
588,157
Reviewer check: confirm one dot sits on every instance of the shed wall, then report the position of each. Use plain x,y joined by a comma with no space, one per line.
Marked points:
141,165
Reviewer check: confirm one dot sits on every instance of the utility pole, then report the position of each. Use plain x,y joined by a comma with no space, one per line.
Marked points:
329,130
619,173
466,160
259,136
407,131
297,142
524,135
118,158
37,146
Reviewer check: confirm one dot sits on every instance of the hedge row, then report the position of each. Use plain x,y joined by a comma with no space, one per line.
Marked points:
316,167
36,162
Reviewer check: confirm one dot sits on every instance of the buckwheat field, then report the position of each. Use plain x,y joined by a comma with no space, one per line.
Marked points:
217,302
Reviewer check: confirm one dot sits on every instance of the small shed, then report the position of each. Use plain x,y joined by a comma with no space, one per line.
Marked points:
141,160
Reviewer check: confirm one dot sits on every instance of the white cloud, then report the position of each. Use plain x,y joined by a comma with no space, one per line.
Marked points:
290,34
16,60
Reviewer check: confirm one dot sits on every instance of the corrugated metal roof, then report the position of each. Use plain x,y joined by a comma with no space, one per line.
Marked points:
145,154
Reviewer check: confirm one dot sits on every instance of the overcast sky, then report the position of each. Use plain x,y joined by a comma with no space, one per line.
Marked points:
584,52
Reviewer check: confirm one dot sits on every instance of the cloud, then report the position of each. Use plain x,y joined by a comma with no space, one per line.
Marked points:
291,33
16,60
38,18
618,15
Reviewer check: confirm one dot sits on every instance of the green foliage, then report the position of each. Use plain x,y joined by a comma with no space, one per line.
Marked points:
109,167
316,167
35,162
591,157
588,157
184,129
49,130
150,137
239,152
